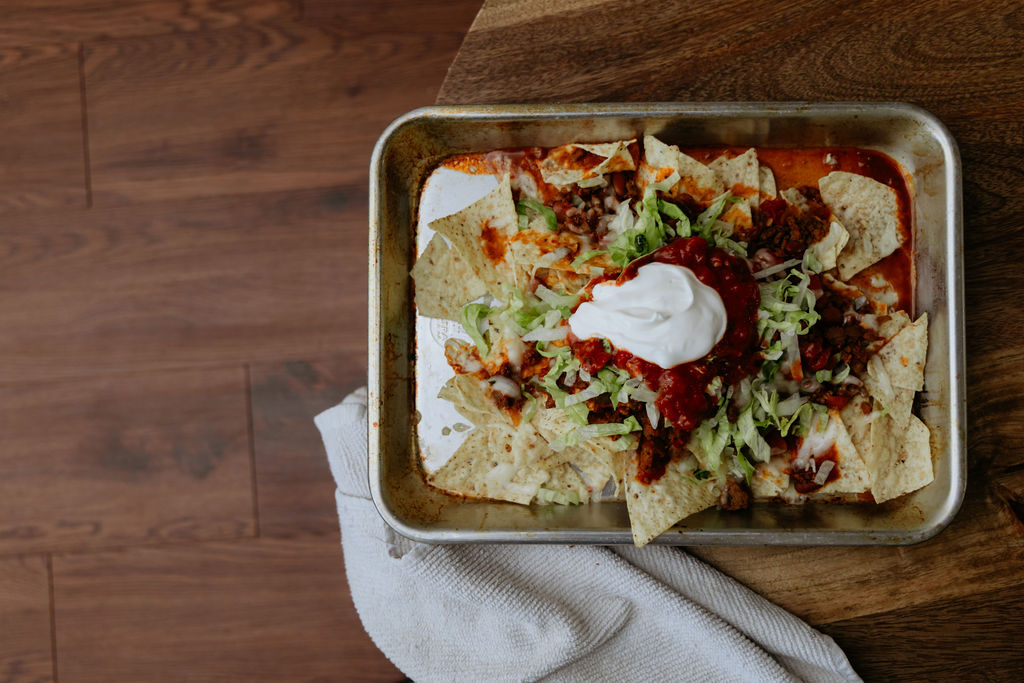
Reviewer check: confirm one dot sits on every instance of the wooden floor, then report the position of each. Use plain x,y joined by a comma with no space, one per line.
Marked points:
183,198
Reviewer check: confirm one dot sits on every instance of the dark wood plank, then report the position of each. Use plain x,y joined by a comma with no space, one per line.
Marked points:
41,128
961,54
29,22
259,107
175,284
138,458
260,610
959,59
983,550
430,16
25,643
294,486
975,638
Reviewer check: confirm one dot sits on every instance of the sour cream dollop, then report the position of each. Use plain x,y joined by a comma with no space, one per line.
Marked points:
664,315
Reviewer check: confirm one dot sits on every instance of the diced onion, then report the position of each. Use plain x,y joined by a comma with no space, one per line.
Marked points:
550,258
822,476
505,386
772,270
544,335
652,414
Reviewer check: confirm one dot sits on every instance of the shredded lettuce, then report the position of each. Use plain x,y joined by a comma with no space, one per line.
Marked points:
578,435
553,497
586,256
526,208
471,315
531,406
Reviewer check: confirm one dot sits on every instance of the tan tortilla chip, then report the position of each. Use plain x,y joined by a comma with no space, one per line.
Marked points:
562,280
564,479
655,508
497,462
559,167
770,478
891,323
740,175
827,249
853,471
470,398
597,459
855,418
909,465
661,160
869,210
766,182
904,355
795,197
738,213
444,281
480,234
528,248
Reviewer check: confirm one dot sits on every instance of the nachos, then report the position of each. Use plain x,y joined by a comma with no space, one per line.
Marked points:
678,329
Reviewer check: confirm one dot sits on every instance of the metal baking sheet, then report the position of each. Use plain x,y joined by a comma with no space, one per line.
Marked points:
418,141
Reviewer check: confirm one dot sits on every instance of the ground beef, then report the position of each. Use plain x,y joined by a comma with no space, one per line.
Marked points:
786,231
735,496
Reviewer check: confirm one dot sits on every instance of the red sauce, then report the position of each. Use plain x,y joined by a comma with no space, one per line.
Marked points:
795,167
592,354
803,480
492,243
682,390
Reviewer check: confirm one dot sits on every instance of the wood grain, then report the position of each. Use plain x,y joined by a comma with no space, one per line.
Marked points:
294,485
31,22
213,281
974,638
41,144
945,609
135,459
982,551
963,54
260,610
25,648
255,108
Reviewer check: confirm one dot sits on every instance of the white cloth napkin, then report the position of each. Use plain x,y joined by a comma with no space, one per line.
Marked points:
554,613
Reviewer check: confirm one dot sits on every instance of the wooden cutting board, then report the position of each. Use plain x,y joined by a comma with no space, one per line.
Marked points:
949,608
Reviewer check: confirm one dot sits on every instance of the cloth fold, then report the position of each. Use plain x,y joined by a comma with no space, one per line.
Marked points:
554,613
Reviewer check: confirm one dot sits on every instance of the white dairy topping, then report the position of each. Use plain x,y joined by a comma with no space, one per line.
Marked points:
664,315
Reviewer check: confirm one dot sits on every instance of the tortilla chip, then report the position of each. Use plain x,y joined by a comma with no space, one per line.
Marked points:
909,466
738,213
558,167
827,249
869,210
855,418
740,174
480,234
766,182
770,478
904,355
498,463
654,509
596,459
696,179
444,281
795,198
470,398
890,324
565,479
529,247
564,280
853,472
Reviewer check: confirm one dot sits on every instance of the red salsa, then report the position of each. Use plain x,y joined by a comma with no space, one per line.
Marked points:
683,398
